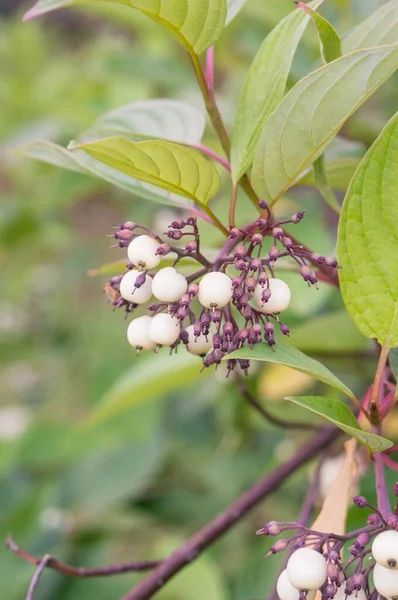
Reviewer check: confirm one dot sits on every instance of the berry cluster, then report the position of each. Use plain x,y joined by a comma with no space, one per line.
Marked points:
316,559
232,301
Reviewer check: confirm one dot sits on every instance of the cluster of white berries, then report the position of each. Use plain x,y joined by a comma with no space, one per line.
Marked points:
385,573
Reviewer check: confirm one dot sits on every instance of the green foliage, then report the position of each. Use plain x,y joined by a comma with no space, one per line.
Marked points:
329,40
258,100
309,116
368,241
291,357
379,29
195,25
337,412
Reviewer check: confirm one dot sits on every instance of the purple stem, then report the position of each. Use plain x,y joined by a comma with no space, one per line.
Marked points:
383,501
209,73
213,154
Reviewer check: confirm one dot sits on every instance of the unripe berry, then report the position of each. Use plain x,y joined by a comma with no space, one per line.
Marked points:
168,285
306,569
138,333
385,549
164,329
385,581
198,344
279,299
286,591
215,290
138,295
142,252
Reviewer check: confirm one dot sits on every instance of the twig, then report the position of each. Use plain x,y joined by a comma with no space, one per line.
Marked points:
269,416
232,206
82,572
378,382
383,501
204,538
36,577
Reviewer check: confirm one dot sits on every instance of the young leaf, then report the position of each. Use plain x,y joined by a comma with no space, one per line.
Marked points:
329,40
171,167
196,24
379,29
368,240
171,120
291,357
323,184
311,114
338,413
339,173
264,87
81,162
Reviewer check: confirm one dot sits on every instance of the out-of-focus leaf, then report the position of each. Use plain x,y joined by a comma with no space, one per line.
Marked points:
202,579
81,162
264,87
170,166
323,184
278,381
379,29
165,119
291,357
337,412
329,40
393,360
194,23
368,240
338,172
308,118
334,332
233,8
153,379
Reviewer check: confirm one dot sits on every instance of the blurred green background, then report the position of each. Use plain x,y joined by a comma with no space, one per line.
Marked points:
135,485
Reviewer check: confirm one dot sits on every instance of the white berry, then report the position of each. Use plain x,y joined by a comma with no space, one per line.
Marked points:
385,549
142,252
385,581
168,285
306,569
279,299
286,591
138,295
138,333
198,345
164,329
215,290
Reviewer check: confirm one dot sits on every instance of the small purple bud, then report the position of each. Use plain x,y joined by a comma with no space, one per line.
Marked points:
255,264
333,572
287,242
184,336
217,341
262,278
197,328
277,232
182,313
244,365
209,360
330,261
360,501
317,258
285,330
174,235
241,337
373,519
305,272
124,234
218,356
163,249
297,217
185,300
241,265
266,295
216,316
240,252
228,330
257,239
363,539
263,204
206,319
250,284
328,591
191,247
244,300
193,289
234,233
272,528
238,293
140,280
237,282
392,522
261,223
192,220
231,364
358,581
178,224
274,252
279,546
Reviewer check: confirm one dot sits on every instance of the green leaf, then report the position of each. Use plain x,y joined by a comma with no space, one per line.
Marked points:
291,357
338,413
368,240
338,173
152,378
264,87
309,116
81,162
167,165
171,120
323,184
233,8
379,29
329,40
196,24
